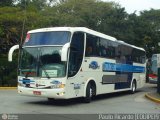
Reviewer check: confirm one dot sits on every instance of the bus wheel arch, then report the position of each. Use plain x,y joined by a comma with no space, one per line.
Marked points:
133,86
90,91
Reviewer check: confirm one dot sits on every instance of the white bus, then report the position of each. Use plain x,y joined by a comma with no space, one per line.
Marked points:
71,62
154,69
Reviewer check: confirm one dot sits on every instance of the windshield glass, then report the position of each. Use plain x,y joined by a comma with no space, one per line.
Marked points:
28,62
47,38
154,66
42,62
50,62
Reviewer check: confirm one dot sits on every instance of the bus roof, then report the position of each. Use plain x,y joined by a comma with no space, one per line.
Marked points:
122,42
74,29
83,29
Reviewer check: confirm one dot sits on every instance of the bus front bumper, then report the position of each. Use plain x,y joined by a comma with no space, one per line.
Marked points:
48,93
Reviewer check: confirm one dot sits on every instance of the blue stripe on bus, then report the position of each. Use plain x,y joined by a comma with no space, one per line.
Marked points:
118,67
26,81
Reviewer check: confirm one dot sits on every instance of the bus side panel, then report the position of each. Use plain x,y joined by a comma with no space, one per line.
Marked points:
141,76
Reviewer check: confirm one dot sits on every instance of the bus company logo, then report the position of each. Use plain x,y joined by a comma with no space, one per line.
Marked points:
55,82
111,67
4,116
94,65
27,38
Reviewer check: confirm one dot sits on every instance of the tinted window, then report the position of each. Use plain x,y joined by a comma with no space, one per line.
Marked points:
76,53
47,38
138,56
123,53
96,46
107,48
92,46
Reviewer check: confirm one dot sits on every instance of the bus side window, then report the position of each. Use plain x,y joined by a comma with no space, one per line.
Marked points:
89,51
92,46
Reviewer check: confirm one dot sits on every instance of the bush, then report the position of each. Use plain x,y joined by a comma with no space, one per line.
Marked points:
8,71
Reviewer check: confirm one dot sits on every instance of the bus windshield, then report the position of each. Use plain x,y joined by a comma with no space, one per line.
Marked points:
154,64
47,38
42,62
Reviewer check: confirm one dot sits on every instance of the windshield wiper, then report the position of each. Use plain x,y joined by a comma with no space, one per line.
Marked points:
44,70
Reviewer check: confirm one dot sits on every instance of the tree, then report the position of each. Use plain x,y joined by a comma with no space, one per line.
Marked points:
9,31
6,3
151,22
94,14
34,4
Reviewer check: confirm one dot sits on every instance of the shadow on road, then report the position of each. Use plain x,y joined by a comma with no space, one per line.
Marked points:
59,102
75,101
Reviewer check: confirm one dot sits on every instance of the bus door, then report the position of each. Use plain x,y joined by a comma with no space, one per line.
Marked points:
75,77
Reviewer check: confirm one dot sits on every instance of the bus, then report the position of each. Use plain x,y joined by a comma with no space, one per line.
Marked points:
154,69
74,62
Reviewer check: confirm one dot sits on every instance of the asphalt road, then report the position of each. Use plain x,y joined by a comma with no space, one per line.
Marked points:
13,103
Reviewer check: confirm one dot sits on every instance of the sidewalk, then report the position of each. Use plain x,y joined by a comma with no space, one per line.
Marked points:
154,96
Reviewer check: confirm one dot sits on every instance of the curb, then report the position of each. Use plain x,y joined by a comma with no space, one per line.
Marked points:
152,98
8,88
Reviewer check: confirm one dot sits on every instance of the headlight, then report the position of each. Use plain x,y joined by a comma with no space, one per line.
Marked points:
58,86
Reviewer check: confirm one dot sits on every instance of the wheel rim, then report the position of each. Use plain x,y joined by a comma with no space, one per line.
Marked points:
133,87
91,92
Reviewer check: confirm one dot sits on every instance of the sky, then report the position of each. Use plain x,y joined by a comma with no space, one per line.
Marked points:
138,5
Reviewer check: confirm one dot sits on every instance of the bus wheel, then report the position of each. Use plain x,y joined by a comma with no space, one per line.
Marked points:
134,87
90,92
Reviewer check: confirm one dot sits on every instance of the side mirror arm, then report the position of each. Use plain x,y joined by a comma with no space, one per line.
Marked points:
10,54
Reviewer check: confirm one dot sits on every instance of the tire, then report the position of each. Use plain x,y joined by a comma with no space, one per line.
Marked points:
134,87
90,93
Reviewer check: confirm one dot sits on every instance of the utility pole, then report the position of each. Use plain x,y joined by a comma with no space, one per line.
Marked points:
158,81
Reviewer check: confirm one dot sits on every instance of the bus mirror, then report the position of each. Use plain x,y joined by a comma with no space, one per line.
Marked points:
64,52
10,54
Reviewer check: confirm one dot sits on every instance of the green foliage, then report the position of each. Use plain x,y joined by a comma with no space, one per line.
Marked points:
8,71
10,22
6,3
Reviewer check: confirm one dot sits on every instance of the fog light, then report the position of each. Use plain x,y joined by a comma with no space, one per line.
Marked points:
19,91
61,93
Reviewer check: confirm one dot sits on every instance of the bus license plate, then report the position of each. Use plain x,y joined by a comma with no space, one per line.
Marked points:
37,92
